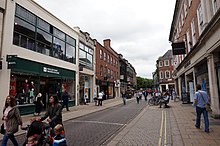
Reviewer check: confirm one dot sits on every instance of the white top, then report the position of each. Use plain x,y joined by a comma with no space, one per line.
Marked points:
100,95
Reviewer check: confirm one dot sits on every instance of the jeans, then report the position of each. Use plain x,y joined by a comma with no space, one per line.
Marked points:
203,111
11,137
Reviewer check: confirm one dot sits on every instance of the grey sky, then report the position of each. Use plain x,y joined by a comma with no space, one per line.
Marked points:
138,29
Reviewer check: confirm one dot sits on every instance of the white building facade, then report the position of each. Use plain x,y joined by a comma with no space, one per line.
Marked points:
38,54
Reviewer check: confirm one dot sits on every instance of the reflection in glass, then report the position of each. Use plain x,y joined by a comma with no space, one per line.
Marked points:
82,57
70,53
43,24
59,33
25,14
58,48
43,48
70,40
24,28
89,60
44,37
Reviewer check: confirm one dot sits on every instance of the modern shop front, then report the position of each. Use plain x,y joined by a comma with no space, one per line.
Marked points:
28,78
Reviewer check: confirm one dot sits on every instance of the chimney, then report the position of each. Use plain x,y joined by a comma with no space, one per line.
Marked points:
107,43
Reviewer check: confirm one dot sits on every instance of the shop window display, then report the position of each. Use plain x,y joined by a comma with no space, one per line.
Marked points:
26,87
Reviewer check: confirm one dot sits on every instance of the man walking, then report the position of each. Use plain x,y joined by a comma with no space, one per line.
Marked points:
124,96
200,100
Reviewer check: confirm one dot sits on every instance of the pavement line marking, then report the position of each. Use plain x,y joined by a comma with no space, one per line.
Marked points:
161,130
165,129
77,121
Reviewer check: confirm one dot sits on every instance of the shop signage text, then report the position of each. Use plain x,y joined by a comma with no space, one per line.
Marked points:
51,70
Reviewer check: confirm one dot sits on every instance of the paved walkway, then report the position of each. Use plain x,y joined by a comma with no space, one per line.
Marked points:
182,129
182,121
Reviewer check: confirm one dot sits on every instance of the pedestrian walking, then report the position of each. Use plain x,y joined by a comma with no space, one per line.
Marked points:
38,104
65,98
200,100
136,95
100,97
124,96
145,95
11,120
140,95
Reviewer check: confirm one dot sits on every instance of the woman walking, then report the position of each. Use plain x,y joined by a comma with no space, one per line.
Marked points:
12,120
38,104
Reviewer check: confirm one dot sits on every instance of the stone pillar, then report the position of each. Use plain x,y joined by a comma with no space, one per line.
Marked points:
213,84
179,87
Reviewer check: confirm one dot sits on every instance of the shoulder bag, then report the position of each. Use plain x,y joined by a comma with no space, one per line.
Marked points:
2,129
207,104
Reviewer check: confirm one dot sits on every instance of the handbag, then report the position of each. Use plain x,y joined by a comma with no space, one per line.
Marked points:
2,129
207,104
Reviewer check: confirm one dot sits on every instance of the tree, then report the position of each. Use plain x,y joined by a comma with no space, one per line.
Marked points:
144,83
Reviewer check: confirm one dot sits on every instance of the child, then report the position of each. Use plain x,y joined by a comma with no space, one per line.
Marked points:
31,141
59,138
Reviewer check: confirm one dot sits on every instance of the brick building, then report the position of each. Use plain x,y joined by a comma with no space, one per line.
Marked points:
107,69
196,24
165,71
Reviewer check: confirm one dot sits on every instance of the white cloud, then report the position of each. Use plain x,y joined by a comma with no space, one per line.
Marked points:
138,29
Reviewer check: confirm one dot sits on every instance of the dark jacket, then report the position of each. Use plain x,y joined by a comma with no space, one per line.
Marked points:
65,96
13,121
55,114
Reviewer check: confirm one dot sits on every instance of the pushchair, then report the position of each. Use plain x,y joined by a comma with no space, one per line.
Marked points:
40,131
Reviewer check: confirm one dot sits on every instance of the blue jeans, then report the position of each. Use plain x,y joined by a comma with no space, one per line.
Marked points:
11,137
203,111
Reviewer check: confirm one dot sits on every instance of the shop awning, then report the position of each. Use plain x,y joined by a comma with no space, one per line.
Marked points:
27,66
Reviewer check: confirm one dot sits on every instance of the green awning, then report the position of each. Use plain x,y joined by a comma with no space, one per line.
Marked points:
27,66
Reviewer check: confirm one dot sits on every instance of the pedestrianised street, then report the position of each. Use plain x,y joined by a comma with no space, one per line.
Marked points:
115,124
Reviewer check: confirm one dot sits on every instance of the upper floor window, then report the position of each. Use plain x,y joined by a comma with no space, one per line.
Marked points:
111,60
105,69
189,2
185,8
104,56
182,19
193,32
180,27
200,18
160,63
86,56
100,51
108,58
167,74
215,5
166,63
161,75
109,73
35,34
101,68
188,41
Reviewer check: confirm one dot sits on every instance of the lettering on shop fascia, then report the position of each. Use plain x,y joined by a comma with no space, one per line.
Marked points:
51,70
187,64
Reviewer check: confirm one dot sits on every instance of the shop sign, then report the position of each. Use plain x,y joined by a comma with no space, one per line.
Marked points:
179,48
11,59
51,70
